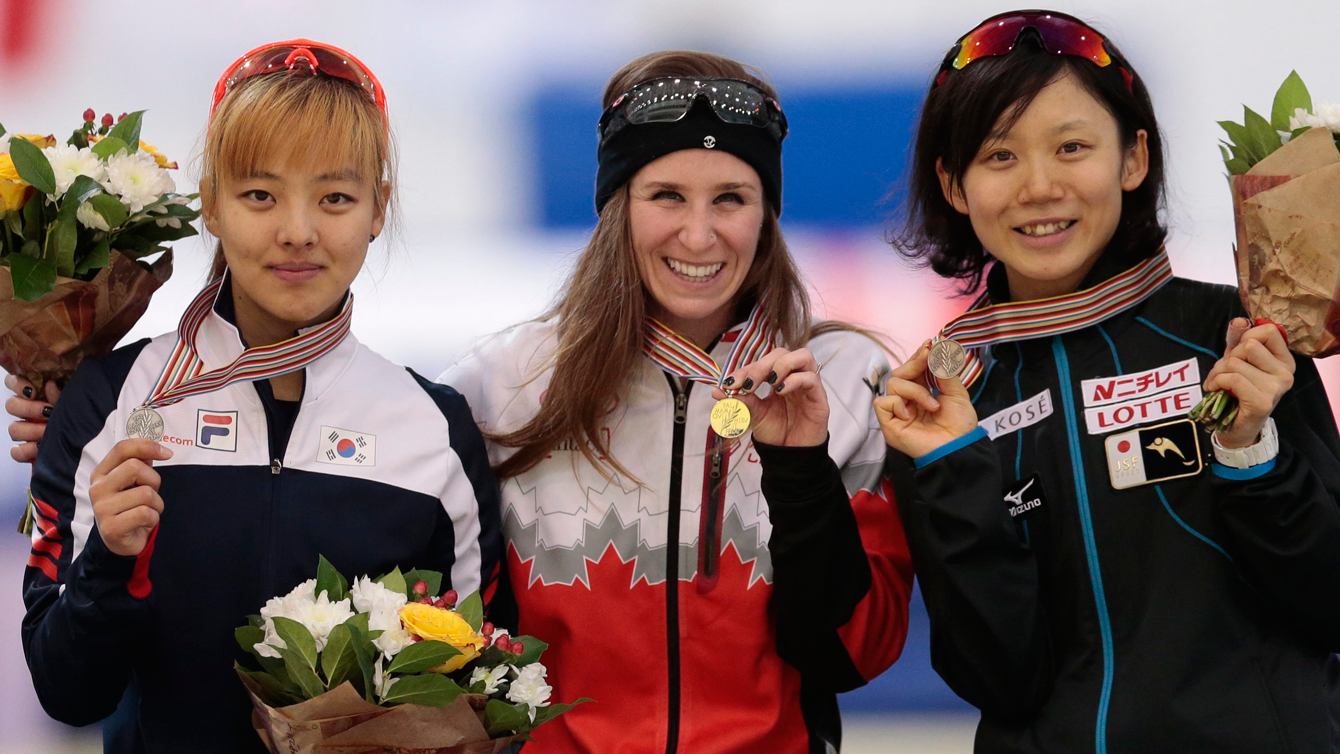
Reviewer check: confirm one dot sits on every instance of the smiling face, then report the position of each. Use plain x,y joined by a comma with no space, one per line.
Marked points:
695,217
295,236
1045,197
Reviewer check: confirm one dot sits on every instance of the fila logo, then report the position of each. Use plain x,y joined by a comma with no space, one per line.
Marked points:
216,430
345,447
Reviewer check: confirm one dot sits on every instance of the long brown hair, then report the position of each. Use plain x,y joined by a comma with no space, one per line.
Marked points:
292,116
601,309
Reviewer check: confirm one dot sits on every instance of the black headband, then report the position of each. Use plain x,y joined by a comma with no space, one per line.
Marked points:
628,150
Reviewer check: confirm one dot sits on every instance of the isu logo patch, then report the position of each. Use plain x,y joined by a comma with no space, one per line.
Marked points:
345,447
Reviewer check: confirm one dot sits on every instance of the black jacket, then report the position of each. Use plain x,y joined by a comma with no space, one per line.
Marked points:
1199,614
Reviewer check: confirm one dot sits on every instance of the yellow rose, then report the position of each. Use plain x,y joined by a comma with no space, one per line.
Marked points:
14,191
42,142
428,622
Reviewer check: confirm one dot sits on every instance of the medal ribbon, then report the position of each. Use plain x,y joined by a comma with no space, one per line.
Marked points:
984,324
681,358
182,377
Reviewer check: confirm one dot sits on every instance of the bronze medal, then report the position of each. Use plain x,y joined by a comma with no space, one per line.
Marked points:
730,418
946,359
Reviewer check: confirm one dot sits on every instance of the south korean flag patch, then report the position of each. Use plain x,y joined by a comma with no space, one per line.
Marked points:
345,447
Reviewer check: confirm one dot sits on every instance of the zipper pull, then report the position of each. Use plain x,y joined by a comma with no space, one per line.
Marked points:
681,408
276,466
716,462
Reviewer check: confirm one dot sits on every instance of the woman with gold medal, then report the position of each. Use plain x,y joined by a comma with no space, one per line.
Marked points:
683,490
1100,575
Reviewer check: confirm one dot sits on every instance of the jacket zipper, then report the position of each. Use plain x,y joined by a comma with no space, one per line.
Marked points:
276,467
714,493
672,561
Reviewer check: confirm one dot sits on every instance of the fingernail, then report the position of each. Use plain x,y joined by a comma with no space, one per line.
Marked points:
728,381
164,452
46,412
748,383
778,389
27,392
772,377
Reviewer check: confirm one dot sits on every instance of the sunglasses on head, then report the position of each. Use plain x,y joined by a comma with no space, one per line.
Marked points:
1060,35
666,100
300,56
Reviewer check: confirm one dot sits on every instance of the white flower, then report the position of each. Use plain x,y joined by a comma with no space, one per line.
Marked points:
1322,116
369,596
69,162
89,217
383,608
318,616
323,615
382,681
529,688
137,179
490,678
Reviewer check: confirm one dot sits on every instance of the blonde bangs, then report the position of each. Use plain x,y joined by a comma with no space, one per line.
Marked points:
277,120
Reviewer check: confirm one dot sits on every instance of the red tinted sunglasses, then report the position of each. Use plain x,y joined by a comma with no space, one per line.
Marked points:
1061,35
302,55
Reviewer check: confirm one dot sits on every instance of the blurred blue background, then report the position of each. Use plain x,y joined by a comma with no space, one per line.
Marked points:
494,106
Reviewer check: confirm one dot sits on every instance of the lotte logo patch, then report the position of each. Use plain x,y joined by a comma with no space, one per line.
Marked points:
216,430
345,447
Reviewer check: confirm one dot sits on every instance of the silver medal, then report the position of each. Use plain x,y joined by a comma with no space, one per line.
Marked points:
946,359
145,423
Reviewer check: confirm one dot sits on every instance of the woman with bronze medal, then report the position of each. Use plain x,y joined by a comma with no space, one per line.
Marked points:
184,480
1101,576
687,501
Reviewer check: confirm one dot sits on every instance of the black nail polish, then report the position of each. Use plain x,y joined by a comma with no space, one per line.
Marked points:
46,412
27,392
772,377
748,383
778,389
728,382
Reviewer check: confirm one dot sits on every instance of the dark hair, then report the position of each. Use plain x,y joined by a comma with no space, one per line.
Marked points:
958,116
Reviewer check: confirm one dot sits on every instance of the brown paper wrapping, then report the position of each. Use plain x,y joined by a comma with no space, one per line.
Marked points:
1286,211
46,339
340,721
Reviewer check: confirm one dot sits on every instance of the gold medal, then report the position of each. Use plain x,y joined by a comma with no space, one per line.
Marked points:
946,359
730,418
145,423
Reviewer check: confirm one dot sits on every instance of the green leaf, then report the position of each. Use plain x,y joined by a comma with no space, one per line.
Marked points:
363,658
1292,95
534,649
338,657
33,278
1239,137
431,579
297,638
359,621
329,580
248,637
81,189
1237,167
111,209
429,690
34,225
545,714
301,673
1264,136
501,718
472,610
128,131
395,581
275,666
275,693
108,146
78,140
421,656
2,130
64,238
32,165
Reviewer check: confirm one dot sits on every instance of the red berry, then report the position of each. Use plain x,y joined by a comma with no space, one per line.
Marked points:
439,602
107,119
89,115
421,588
425,600
415,638
486,629
121,117
450,597
518,648
501,642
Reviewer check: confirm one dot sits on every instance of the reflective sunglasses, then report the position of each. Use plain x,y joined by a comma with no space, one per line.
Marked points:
1060,34
301,55
666,100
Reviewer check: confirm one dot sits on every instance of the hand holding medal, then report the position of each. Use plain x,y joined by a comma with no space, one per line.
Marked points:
914,421
124,492
795,411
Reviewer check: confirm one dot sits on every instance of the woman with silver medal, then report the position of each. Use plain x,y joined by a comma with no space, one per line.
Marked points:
157,533
680,483
1099,576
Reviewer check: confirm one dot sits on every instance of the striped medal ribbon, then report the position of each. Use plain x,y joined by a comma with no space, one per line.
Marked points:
957,349
182,375
678,356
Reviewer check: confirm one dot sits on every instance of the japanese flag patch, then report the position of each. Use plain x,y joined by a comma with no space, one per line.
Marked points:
345,447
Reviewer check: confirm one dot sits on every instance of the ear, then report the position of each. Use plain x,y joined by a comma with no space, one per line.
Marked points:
953,194
1135,165
383,199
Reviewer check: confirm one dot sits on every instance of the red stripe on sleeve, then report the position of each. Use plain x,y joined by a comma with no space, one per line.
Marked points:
43,563
878,627
139,585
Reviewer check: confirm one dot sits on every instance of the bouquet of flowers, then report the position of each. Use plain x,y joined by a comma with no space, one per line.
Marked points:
1285,176
75,221
380,665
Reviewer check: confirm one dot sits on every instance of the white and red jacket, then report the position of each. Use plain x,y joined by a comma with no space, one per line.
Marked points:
788,580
